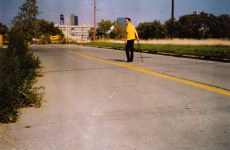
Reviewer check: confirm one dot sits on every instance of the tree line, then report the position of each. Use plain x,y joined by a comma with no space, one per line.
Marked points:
200,26
195,26
42,30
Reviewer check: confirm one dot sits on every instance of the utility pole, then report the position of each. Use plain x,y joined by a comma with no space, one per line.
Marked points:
94,33
172,20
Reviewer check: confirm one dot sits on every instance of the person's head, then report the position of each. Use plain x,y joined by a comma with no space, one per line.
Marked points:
127,21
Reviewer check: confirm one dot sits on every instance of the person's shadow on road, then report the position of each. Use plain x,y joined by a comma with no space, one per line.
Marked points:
118,60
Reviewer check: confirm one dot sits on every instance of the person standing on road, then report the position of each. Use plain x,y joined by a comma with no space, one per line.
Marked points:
130,37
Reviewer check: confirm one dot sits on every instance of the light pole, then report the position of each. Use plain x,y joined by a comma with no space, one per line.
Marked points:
172,20
94,32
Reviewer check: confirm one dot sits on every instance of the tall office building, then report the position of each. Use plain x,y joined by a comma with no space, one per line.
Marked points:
73,20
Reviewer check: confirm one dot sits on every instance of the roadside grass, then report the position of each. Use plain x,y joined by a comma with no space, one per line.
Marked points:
217,52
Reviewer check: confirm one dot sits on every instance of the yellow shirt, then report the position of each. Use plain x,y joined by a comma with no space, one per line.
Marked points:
130,29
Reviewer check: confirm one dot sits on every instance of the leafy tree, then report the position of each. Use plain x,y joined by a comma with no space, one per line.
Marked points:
45,29
3,29
144,30
219,26
204,25
158,30
24,24
103,28
150,30
19,67
214,28
118,31
194,25
91,32
177,28
187,26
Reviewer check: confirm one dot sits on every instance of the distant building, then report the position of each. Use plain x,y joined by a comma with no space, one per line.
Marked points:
78,33
122,21
73,20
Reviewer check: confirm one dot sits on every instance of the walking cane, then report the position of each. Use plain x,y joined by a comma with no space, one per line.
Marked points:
140,51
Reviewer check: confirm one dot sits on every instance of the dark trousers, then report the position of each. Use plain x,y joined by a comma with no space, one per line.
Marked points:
129,50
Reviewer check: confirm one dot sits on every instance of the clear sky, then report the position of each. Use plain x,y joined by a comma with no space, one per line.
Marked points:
137,10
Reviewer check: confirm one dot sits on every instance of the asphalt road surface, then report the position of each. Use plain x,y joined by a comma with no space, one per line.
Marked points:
96,101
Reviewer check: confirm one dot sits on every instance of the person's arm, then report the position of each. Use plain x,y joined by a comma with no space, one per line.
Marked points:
126,36
136,35
127,33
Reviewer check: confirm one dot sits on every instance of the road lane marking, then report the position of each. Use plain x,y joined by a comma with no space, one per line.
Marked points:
146,71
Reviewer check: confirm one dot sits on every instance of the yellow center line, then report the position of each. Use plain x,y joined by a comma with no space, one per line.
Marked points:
146,71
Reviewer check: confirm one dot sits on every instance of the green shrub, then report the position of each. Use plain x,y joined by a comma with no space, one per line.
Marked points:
18,73
19,68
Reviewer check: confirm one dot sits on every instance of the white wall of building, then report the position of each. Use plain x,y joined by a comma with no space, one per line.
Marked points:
78,33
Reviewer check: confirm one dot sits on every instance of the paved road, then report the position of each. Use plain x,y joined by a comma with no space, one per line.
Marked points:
96,101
